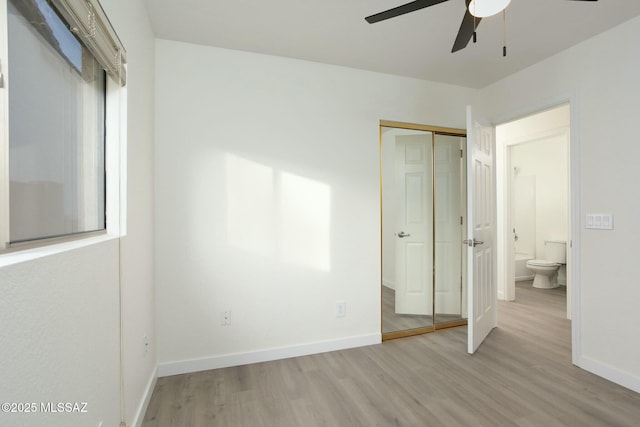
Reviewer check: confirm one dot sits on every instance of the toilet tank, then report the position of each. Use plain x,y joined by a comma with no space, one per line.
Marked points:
555,251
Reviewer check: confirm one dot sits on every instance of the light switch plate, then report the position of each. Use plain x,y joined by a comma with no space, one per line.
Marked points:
599,221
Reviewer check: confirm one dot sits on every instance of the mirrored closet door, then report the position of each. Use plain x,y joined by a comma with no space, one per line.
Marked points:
422,216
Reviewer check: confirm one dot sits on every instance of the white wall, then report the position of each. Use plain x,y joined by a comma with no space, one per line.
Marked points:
599,77
59,336
60,333
546,161
138,288
254,155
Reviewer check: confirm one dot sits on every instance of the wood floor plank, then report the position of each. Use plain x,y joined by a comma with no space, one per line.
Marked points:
520,376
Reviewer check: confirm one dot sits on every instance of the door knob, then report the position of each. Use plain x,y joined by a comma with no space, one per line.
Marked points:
472,243
403,234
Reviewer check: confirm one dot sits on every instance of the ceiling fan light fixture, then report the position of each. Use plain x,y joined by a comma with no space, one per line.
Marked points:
485,8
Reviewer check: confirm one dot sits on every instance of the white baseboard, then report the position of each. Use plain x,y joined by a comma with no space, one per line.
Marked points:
623,378
237,359
142,409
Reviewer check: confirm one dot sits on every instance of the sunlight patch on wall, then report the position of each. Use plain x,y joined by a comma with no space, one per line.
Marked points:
278,214
250,205
305,205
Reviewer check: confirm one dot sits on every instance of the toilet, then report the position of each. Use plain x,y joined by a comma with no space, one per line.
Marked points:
546,270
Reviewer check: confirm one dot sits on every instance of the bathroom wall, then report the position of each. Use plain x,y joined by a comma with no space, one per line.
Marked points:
523,212
544,162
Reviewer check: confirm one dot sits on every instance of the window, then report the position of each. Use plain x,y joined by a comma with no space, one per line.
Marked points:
58,67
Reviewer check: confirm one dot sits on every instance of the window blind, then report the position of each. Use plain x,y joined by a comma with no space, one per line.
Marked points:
89,22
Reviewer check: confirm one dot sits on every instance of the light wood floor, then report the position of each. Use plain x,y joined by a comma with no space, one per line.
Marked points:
521,376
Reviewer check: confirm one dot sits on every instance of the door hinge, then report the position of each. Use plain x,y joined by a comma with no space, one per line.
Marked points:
461,220
461,153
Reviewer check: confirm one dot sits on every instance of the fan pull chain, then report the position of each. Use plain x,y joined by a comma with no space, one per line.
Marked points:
504,32
475,39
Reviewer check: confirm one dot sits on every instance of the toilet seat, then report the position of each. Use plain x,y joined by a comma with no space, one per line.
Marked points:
541,263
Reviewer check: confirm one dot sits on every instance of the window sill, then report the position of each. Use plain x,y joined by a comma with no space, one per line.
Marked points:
26,255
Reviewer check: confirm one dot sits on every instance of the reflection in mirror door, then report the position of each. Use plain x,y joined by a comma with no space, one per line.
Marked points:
422,193
407,194
450,289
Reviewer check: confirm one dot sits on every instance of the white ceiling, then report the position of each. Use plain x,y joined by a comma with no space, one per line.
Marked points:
414,45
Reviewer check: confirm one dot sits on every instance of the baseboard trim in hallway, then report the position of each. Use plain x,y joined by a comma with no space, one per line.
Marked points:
144,404
623,378
266,355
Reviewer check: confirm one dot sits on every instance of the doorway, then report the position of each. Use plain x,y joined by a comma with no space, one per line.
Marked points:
423,205
534,197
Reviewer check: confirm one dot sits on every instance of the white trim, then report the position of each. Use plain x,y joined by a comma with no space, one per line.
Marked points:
266,355
11,258
611,373
537,136
504,244
144,405
575,301
115,158
4,129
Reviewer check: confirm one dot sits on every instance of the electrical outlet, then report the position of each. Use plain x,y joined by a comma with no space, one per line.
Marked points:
226,318
341,308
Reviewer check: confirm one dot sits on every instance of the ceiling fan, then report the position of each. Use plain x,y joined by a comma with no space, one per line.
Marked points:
476,10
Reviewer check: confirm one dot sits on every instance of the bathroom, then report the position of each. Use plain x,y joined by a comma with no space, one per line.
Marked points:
536,199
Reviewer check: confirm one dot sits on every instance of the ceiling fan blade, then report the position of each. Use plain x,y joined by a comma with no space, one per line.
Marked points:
467,27
401,10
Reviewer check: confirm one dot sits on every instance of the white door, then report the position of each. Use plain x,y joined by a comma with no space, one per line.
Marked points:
413,234
448,226
482,292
